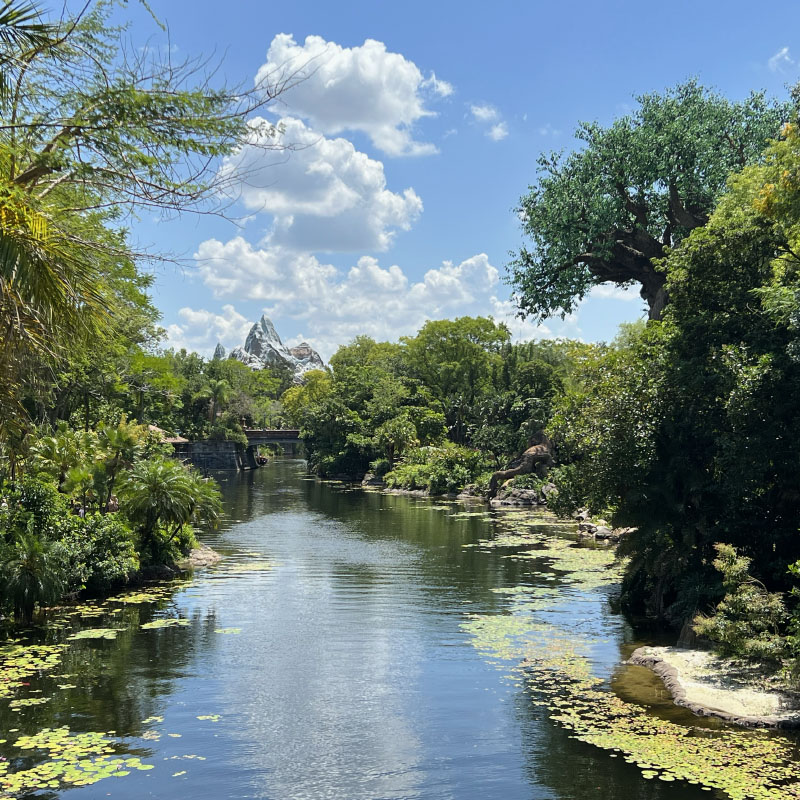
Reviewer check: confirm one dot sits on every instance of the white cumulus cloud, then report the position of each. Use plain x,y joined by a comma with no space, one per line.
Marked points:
324,194
200,330
333,306
484,113
491,120
781,60
498,132
364,88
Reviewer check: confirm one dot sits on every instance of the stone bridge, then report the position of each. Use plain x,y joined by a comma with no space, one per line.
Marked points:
211,454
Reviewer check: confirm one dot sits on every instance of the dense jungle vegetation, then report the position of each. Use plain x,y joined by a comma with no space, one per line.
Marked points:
92,134
683,428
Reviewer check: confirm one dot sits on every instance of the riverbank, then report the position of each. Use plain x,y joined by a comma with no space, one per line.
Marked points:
712,686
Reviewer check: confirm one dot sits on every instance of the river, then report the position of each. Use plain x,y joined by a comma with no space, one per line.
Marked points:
338,651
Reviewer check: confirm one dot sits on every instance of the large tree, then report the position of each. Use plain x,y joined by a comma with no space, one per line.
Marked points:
453,359
606,212
687,430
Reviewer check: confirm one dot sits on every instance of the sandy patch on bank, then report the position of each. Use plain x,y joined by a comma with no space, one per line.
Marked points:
201,556
712,686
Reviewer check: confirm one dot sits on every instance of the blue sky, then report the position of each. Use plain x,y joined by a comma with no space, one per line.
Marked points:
420,125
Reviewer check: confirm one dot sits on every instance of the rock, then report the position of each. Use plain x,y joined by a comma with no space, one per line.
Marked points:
201,556
264,348
370,479
306,358
602,531
516,497
582,515
711,686
548,489
219,352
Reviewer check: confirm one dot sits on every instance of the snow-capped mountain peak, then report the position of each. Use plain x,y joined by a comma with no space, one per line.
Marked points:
264,348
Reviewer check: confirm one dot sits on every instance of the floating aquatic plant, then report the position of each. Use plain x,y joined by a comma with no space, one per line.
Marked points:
250,566
95,633
745,765
24,702
151,595
227,630
79,759
170,622
18,662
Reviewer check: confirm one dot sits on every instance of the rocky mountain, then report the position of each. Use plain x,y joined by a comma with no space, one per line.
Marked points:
264,348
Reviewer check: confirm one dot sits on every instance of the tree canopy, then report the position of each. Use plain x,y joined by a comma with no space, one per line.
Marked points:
638,187
92,132
685,429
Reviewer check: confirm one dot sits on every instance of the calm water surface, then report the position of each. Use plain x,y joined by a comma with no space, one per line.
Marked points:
350,677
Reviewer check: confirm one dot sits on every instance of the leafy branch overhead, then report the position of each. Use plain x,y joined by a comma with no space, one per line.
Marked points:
92,132
610,211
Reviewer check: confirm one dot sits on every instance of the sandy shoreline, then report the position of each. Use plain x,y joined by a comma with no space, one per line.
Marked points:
711,686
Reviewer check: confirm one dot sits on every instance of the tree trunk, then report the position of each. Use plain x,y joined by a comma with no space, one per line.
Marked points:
654,293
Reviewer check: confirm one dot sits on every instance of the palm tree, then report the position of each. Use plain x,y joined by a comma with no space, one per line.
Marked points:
21,32
162,496
30,576
396,435
62,451
217,392
80,480
122,444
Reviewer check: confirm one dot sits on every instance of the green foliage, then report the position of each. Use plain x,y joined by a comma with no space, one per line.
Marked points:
530,481
602,213
685,427
747,622
94,132
98,552
30,575
31,504
438,470
603,427
227,428
380,467
162,497
453,360
457,379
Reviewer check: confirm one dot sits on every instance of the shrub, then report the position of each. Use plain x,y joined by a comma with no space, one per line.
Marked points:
747,622
530,481
439,470
99,552
33,501
227,428
30,575
380,467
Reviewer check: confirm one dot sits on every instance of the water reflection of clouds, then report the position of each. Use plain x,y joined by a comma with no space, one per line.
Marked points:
325,662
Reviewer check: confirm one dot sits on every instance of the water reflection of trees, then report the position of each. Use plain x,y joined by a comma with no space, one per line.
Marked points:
575,770
117,683
454,573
